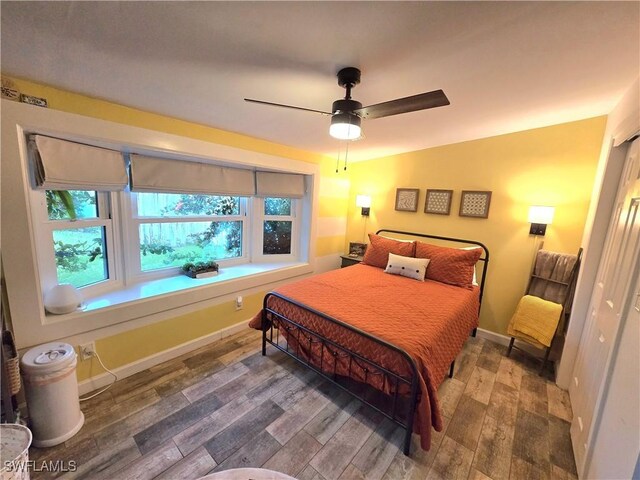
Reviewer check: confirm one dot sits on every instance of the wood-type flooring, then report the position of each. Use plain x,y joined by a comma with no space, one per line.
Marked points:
225,406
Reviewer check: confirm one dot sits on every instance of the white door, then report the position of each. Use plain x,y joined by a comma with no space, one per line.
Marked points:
616,444
611,296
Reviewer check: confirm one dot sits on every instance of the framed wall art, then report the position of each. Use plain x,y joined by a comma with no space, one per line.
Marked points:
438,201
357,249
407,199
475,204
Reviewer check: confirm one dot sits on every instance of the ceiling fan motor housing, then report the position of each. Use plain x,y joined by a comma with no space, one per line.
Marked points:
345,106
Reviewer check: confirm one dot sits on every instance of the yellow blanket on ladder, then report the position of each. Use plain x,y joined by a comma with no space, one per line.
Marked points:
535,321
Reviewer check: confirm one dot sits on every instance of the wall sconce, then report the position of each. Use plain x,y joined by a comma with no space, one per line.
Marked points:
364,201
539,218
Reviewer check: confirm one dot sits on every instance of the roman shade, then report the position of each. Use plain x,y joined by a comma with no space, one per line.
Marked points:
273,184
63,165
149,174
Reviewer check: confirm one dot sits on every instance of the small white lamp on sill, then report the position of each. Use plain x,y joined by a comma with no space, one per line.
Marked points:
539,217
63,298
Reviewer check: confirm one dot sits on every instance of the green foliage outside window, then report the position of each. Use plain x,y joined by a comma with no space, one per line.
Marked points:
77,249
214,205
277,206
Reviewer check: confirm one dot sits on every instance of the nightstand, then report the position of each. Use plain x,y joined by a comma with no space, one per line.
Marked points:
347,261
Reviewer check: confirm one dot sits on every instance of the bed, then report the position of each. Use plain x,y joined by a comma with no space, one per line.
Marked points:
387,339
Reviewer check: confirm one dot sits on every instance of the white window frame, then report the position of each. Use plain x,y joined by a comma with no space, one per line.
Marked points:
115,312
131,237
44,228
258,237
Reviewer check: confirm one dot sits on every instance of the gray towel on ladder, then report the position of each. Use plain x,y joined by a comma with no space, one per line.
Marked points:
555,266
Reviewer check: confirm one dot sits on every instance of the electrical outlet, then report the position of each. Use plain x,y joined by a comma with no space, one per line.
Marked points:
239,303
87,350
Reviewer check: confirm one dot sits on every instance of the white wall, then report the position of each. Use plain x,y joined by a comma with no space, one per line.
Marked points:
622,122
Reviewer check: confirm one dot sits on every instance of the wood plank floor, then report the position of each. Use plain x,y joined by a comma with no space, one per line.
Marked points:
225,406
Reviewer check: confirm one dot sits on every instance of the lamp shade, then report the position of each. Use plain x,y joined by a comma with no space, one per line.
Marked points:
363,201
345,126
541,214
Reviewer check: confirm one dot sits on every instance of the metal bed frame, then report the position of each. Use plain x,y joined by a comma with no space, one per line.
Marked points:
367,367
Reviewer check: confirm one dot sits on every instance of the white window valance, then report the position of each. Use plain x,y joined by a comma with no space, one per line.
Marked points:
63,165
149,174
274,184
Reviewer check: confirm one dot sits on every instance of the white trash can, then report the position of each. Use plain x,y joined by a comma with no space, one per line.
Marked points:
51,388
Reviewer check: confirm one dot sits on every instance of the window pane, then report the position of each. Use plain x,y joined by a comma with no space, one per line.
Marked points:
277,238
68,204
80,255
277,206
165,245
177,204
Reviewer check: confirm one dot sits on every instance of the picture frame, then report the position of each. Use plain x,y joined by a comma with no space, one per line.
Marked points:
407,199
438,201
475,203
357,249
31,100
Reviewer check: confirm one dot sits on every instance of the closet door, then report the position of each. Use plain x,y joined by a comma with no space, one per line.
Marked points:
610,299
616,443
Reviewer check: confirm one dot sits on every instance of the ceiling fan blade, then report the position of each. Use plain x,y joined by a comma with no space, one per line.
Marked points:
422,101
286,106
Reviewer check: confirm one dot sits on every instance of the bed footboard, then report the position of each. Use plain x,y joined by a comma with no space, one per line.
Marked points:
400,408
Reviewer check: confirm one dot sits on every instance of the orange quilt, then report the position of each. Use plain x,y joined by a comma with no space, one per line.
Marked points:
429,320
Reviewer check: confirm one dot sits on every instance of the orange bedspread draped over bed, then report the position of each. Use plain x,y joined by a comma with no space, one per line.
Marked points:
429,320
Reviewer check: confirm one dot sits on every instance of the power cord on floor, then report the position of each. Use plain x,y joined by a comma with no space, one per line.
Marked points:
115,379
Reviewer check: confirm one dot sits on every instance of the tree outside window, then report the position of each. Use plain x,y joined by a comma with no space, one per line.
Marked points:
276,235
79,252
171,244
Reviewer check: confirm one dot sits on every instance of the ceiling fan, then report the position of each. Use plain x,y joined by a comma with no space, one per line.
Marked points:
347,114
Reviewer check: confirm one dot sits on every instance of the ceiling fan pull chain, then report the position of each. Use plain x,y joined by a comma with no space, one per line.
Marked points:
346,156
338,161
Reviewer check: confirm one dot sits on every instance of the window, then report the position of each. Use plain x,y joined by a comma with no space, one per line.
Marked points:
78,231
173,229
277,227
106,240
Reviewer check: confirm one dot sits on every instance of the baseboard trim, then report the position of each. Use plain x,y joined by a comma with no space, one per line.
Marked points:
504,340
124,371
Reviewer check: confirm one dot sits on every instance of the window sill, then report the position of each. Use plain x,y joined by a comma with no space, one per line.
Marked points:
155,296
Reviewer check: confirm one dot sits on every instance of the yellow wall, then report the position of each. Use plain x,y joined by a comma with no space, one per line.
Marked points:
332,200
546,166
132,345
127,347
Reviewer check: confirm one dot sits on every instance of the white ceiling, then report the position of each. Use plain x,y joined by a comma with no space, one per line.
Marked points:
505,66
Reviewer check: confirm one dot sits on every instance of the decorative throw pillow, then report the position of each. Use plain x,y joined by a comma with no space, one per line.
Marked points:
449,265
475,278
379,248
407,266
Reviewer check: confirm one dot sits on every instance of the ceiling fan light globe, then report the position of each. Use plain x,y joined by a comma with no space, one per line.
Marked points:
345,126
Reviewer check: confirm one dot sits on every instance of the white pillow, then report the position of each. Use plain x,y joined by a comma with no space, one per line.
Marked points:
410,267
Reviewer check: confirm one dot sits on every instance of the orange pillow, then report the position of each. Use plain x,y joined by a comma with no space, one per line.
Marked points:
454,266
377,254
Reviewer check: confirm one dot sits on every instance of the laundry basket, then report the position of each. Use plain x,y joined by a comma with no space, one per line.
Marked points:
13,366
14,451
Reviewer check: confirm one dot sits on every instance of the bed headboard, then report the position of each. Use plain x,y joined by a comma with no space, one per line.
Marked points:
484,258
